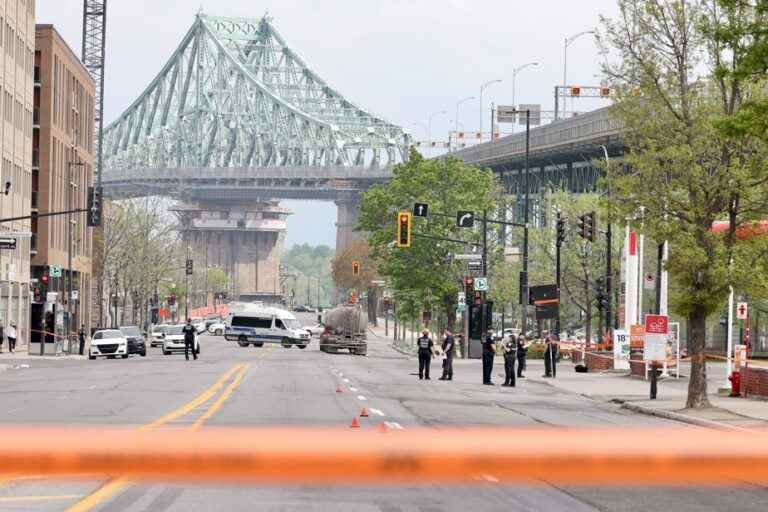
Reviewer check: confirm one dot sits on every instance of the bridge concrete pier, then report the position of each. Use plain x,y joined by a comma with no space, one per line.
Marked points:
347,215
245,239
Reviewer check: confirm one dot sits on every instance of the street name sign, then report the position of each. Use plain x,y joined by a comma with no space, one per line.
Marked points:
468,257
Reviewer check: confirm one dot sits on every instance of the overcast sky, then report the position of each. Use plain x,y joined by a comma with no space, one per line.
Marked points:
401,59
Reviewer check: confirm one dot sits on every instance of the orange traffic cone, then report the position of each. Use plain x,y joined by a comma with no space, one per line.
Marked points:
355,423
364,413
382,428
338,388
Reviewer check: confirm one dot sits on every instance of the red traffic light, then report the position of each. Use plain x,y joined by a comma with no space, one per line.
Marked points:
44,279
469,283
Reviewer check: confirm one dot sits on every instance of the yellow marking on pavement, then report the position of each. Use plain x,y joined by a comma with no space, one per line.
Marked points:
194,403
215,406
115,485
12,499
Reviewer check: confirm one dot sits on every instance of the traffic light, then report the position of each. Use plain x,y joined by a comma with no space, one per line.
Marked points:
576,91
37,294
600,296
469,284
560,231
404,221
583,226
44,278
94,206
355,268
189,268
605,92
590,222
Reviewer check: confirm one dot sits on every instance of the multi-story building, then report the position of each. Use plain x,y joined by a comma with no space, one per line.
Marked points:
17,43
63,150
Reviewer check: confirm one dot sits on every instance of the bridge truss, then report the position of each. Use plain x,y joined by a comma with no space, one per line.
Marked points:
234,94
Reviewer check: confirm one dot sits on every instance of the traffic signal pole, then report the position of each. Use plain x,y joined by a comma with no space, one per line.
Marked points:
558,247
524,323
483,303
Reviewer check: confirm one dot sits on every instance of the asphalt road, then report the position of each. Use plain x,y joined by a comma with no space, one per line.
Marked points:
276,386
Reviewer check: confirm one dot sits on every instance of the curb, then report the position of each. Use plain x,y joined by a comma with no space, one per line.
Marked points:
683,418
402,350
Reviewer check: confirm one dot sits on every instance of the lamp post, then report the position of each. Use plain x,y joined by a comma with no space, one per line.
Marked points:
608,252
71,185
429,127
482,89
456,125
515,72
568,41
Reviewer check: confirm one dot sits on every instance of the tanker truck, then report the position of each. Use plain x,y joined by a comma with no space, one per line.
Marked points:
345,328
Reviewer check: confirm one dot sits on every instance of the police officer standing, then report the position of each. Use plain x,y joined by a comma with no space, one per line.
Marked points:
425,344
489,350
448,351
189,339
554,351
522,350
510,355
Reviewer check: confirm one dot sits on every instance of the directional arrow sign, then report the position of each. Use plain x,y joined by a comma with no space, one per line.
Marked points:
420,209
465,219
7,243
481,284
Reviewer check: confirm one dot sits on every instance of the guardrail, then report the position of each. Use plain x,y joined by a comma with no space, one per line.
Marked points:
677,456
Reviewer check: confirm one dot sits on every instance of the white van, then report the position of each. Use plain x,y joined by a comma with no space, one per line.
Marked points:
261,325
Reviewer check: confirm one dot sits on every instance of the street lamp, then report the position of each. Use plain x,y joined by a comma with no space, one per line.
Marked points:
458,104
429,128
568,42
482,89
515,72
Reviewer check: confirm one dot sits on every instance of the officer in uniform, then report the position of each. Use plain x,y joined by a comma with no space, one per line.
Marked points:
448,351
521,353
489,350
510,355
425,344
189,339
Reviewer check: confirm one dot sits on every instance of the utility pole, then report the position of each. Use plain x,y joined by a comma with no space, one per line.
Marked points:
483,303
186,285
524,275
608,254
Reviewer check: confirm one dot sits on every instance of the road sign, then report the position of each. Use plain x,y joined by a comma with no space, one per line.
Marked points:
544,294
7,243
420,210
621,349
506,113
481,284
462,299
55,271
465,219
468,257
656,324
535,113
742,310
655,347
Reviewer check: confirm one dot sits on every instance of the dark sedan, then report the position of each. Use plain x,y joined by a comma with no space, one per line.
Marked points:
137,344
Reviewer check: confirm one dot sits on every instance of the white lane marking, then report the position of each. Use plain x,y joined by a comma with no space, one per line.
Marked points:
377,412
361,397
490,478
353,389
393,425
346,380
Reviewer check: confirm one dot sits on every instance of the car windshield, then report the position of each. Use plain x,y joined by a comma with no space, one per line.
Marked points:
130,331
292,323
107,335
158,329
174,330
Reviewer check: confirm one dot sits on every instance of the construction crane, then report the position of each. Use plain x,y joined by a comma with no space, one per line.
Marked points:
94,32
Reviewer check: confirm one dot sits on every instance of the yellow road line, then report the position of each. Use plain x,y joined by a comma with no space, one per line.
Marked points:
215,406
115,485
194,403
12,499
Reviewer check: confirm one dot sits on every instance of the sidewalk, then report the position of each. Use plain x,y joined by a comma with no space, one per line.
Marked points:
633,393
22,353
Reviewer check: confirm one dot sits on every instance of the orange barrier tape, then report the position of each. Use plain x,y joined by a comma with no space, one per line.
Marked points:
682,457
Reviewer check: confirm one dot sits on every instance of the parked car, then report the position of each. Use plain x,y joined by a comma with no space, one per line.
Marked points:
315,330
173,340
301,308
108,343
137,344
199,324
217,328
213,320
156,335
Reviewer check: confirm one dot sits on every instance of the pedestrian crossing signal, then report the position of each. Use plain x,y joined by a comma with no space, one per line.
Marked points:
355,268
94,206
404,229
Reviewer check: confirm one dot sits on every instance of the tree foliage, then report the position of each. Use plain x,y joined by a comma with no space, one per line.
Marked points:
341,267
681,93
422,276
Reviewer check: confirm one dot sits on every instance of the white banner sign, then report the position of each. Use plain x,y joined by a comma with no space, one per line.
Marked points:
655,348
620,350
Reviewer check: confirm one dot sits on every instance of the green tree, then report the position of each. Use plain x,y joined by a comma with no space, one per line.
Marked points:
422,276
680,93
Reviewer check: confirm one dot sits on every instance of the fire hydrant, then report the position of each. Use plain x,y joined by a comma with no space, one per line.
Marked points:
735,379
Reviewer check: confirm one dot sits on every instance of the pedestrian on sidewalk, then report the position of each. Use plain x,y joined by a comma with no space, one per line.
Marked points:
81,338
510,355
449,348
12,337
489,351
522,351
425,344
551,351
189,339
